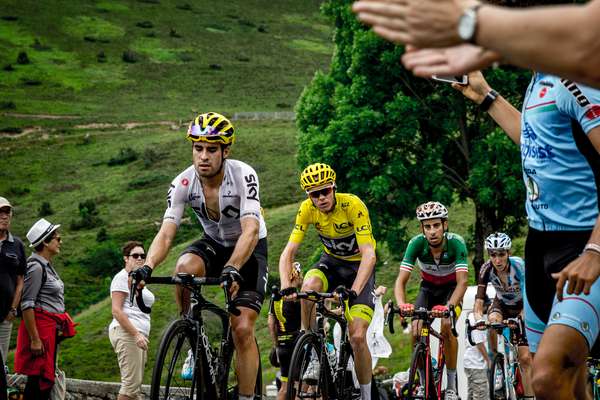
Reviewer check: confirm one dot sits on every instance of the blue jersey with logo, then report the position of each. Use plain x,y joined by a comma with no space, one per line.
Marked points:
558,159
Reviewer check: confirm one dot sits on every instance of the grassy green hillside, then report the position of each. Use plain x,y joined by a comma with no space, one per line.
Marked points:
189,56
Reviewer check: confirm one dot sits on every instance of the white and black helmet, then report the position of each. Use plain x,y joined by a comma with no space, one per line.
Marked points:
430,210
498,241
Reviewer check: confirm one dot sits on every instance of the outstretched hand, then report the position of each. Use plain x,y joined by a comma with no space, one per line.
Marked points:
455,60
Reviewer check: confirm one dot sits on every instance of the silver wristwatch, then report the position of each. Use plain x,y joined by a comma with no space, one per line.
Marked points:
467,24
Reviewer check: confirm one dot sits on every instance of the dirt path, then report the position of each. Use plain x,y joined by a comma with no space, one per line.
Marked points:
174,125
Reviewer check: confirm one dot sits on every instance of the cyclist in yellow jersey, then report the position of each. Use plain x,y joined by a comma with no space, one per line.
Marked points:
342,221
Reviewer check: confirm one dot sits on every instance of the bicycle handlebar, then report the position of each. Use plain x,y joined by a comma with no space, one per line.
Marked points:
186,280
420,313
514,324
341,292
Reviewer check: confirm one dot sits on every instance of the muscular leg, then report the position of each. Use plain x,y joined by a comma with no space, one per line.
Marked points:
525,360
190,264
450,351
559,369
246,351
362,357
282,391
308,307
450,344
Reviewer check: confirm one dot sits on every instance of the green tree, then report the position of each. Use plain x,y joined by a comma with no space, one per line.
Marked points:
397,141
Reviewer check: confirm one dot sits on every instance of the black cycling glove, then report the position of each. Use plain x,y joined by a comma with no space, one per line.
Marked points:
232,274
142,274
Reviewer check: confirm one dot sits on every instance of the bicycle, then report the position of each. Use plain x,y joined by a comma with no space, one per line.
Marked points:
186,348
424,380
317,372
505,367
593,365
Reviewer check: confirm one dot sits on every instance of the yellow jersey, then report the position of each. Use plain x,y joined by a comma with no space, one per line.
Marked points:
341,231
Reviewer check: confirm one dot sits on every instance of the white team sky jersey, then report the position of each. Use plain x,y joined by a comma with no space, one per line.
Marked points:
238,198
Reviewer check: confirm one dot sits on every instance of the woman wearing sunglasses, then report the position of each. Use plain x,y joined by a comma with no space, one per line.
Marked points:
129,330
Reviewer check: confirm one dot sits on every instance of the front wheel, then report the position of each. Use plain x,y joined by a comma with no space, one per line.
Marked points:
497,379
418,376
176,373
307,377
348,386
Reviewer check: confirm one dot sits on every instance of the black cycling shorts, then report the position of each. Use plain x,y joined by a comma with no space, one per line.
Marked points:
434,295
334,272
254,272
545,254
509,312
284,355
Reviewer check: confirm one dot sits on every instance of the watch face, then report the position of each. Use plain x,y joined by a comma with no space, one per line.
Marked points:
466,25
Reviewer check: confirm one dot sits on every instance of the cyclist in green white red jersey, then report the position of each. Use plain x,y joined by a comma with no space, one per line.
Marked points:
442,260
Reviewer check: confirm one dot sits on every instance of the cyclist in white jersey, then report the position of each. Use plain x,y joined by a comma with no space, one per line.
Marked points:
224,195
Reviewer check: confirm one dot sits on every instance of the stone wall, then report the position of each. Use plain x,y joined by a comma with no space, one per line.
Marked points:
79,389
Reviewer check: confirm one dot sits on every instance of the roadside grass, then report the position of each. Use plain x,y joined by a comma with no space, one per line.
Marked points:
245,56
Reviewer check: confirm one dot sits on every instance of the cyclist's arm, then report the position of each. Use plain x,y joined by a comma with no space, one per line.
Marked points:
400,286
406,267
246,242
161,244
365,269
285,263
523,38
462,279
478,308
501,111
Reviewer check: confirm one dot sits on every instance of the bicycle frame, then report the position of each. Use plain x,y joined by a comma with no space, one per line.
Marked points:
424,339
332,373
217,363
433,381
508,334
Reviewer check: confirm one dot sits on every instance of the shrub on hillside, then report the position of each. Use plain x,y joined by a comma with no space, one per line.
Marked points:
103,259
102,235
7,105
22,58
101,57
125,156
150,157
88,216
130,56
145,24
15,190
45,209
145,181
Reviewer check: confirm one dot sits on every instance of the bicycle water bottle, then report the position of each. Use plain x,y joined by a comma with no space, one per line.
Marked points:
498,379
187,371
331,354
434,366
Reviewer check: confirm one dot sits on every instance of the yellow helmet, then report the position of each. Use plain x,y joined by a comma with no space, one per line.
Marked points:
211,127
316,175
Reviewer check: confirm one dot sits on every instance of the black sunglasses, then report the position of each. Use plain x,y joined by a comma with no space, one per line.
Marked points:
317,193
138,255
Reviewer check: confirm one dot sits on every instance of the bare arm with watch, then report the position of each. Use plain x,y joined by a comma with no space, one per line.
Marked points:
520,36
505,115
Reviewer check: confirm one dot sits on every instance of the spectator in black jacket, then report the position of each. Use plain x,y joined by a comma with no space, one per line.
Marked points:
12,269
